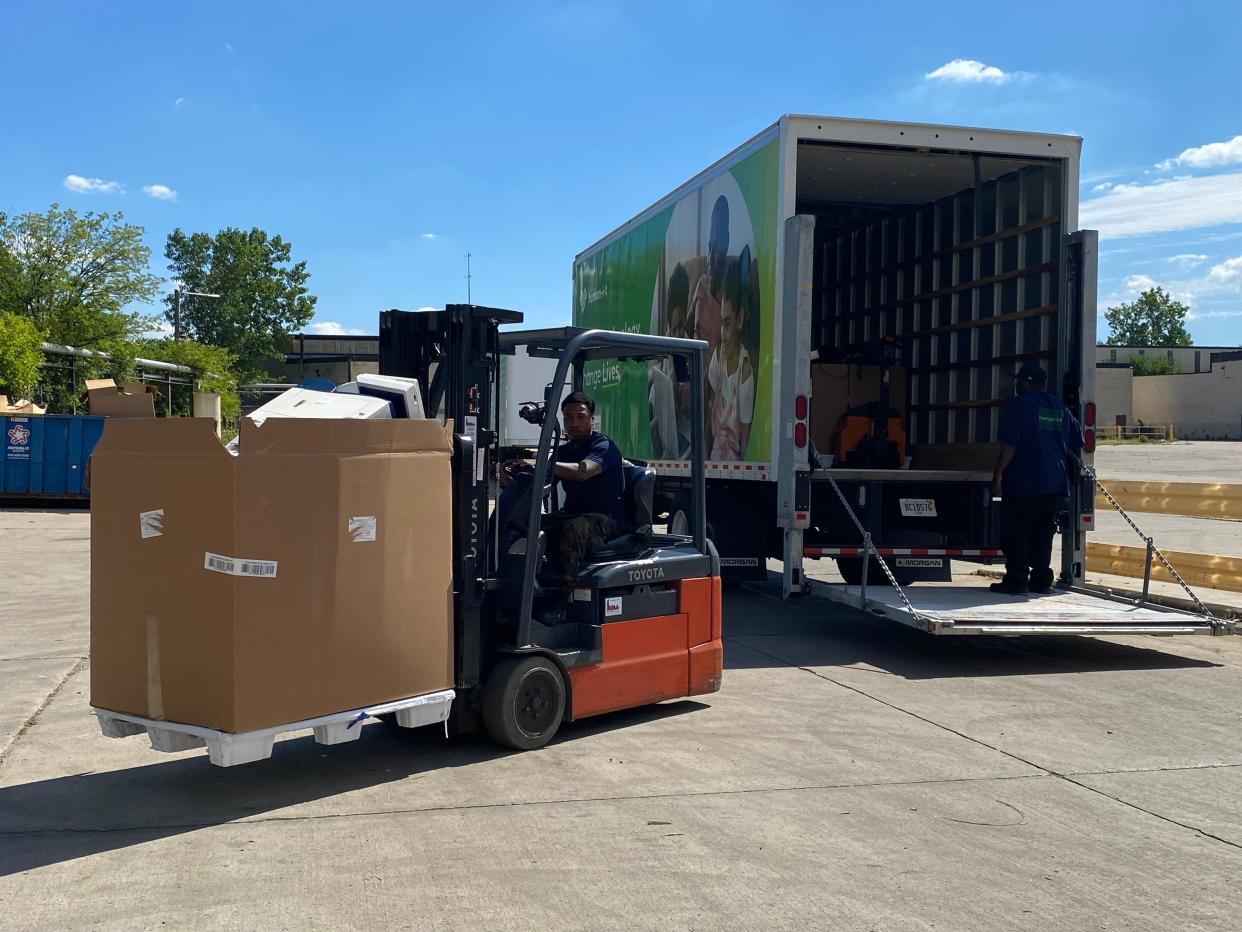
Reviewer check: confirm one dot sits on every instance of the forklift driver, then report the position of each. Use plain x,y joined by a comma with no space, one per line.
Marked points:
588,465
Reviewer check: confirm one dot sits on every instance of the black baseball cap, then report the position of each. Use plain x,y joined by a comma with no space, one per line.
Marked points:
1031,372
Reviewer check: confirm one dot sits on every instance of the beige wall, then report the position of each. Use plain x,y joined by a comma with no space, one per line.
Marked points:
1203,406
1113,394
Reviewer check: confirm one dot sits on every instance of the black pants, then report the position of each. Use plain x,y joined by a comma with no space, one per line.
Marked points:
1030,521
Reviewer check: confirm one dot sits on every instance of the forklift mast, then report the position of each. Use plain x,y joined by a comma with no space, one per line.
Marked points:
455,355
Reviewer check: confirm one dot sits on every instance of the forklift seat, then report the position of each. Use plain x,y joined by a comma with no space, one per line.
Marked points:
638,501
637,508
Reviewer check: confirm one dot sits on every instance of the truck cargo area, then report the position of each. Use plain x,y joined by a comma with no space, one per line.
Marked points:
972,608
954,254
936,274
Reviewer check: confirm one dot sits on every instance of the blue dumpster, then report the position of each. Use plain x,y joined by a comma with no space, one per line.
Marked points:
46,455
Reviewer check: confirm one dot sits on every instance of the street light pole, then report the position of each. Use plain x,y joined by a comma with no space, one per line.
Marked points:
177,293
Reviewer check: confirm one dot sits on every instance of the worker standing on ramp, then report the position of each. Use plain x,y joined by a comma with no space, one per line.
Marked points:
1032,478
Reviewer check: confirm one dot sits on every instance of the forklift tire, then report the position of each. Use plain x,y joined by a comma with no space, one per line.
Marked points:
524,702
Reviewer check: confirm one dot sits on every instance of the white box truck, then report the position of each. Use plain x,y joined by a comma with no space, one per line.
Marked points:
868,291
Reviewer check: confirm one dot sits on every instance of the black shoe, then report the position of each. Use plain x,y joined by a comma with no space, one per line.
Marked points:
1036,590
1007,589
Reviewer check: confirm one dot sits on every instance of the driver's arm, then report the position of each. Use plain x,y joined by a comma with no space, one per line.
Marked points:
578,472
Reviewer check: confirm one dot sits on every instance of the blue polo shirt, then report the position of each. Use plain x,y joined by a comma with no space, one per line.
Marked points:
600,494
1042,430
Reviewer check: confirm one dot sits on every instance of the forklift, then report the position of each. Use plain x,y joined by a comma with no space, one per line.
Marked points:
639,620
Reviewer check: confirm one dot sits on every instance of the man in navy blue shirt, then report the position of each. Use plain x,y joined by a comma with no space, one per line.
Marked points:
588,463
1032,478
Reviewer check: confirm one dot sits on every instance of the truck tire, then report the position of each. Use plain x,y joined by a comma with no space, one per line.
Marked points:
523,702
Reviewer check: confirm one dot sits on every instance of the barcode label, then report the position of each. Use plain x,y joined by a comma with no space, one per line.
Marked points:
238,566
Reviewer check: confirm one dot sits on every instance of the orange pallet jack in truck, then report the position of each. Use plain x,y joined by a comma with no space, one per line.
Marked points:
639,622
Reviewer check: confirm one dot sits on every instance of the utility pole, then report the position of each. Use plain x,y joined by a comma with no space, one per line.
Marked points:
468,301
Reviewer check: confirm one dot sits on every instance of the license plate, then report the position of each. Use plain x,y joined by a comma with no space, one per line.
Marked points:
918,507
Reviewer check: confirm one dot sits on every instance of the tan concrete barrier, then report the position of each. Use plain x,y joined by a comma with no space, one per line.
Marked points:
1213,572
1192,499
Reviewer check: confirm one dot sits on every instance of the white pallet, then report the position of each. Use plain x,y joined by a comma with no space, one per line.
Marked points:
226,749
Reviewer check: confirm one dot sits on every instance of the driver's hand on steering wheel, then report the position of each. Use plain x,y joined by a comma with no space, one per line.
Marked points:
510,466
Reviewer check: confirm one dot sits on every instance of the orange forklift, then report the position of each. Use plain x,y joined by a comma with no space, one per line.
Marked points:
639,620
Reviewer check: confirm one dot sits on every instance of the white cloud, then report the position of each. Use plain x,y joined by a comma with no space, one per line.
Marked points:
970,71
92,185
427,307
1104,186
1227,274
1140,282
1163,206
1207,156
330,328
1213,315
429,235
161,192
1188,259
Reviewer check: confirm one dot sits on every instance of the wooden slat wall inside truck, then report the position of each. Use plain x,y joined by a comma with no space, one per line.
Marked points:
969,294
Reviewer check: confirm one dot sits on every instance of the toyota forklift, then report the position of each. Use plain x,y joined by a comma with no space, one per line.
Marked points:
638,622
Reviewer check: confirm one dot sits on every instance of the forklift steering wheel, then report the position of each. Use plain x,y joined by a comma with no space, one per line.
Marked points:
517,471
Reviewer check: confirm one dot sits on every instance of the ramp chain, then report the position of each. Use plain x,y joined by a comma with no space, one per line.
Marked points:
1203,609
875,553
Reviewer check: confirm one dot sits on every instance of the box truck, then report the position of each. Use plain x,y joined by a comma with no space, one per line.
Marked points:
867,291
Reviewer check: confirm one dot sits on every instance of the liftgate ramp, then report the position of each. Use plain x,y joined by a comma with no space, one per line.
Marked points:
955,609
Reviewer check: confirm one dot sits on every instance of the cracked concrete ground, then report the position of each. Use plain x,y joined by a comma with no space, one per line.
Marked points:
850,774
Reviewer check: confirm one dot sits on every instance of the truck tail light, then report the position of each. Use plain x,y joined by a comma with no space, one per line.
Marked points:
800,407
1088,414
800,435
1088,441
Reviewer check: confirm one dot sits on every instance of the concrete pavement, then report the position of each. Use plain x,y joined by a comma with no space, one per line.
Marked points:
850,774
1183,461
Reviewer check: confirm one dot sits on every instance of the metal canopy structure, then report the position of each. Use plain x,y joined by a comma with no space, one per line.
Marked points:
636,347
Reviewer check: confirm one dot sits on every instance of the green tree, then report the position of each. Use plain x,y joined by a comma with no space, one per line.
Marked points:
20,357
1152,319
73,276
263,295
1154,365
214,370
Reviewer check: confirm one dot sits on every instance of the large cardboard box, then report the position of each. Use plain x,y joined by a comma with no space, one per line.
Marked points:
20,407
131,399
837,387
310,574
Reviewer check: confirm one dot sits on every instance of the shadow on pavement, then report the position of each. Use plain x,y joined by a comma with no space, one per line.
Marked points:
45,506
761,630
64,818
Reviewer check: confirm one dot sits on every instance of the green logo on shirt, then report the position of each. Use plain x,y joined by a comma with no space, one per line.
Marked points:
1049,420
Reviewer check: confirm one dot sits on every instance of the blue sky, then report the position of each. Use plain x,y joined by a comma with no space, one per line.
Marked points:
387,140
